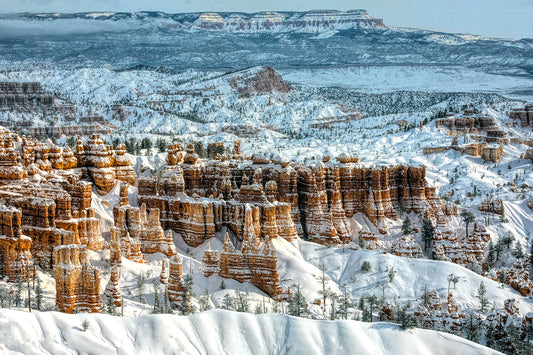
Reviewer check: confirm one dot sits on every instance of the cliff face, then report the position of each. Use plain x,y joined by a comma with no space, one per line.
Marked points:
198,198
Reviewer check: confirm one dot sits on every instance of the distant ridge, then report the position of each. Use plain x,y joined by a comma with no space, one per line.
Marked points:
266,21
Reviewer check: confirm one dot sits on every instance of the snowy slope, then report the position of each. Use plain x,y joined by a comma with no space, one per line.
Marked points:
216,332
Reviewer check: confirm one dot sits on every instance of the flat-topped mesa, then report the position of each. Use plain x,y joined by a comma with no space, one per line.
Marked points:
256,262
524,115
77,281
14,246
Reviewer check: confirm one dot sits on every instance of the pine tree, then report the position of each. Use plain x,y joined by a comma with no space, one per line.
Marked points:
324,282
366,266
241,301
498,249
18,292
110,306
361,304
228,303
298,304
425,296
345,302
472,327
38,294
490,255
406,226
367,317
186,306
204,301
518,252
157,301
468,218
141,280
391,274
372,302
166,305
333,310
502,277
428,231
85,324
406,320
482,296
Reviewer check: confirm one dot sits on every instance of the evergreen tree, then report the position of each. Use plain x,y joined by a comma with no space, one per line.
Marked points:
361,304
186,301
406,226
491,255
372,302
482,296
18,292
298,304
366,266
428,230
241,300
166,306
141,280
333,310
391,274
38,294
502,277
228,303
518,252
472,327
498,249
406,320
468,218
324,282
345,302
157,301
204,301
425,296
110,306
367,317
85,324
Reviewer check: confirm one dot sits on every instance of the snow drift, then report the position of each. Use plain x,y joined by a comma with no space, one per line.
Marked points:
216,332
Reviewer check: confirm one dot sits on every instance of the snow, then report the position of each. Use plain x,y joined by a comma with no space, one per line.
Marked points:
215,332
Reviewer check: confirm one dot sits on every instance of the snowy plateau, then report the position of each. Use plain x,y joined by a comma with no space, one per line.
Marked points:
300,91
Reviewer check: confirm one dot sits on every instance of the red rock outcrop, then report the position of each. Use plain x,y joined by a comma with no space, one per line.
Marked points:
112,290
176,286
524,115
77,281
517,276
15,255
491,204
256,262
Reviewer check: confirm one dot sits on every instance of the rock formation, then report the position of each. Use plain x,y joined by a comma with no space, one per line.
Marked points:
256,262
517,276
491,204
77,282
524,115
15,255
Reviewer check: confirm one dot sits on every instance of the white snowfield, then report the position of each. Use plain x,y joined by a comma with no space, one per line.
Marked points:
216,332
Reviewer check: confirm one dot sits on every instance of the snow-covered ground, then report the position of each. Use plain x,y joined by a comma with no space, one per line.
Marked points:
216,332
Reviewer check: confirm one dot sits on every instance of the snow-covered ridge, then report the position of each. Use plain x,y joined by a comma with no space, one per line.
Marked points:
310,21
216,332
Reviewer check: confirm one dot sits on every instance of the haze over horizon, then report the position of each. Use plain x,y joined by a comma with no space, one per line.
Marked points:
489,18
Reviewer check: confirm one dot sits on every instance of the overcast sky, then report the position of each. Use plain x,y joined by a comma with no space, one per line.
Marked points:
496,18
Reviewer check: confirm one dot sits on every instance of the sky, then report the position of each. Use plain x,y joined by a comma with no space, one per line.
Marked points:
489,18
